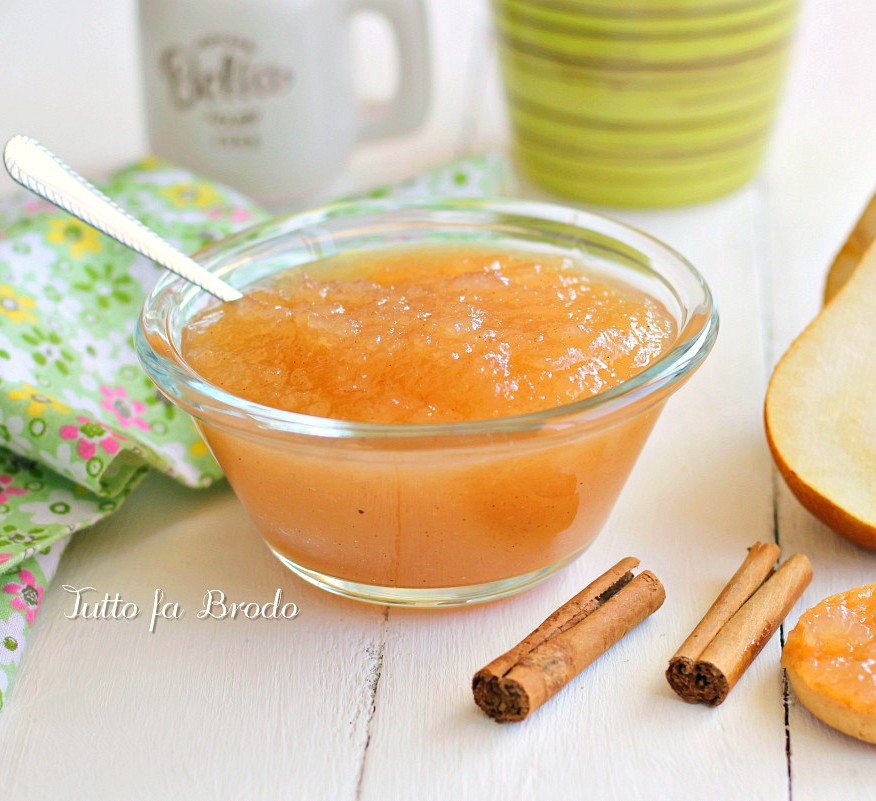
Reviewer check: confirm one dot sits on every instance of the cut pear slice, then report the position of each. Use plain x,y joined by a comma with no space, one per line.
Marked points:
852,251
820,410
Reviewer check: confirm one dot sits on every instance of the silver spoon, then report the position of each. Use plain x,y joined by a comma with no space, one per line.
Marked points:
38,169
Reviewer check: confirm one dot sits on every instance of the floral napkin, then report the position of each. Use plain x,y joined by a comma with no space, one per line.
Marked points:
80,423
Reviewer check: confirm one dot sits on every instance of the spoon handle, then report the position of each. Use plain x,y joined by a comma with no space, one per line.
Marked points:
38,169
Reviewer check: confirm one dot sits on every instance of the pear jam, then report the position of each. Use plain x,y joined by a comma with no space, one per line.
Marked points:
430,335
442,335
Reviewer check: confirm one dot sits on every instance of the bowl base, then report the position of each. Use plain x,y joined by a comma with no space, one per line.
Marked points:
425,597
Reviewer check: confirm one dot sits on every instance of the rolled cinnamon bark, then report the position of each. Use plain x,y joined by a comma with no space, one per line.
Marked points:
727,640
517,683
751,574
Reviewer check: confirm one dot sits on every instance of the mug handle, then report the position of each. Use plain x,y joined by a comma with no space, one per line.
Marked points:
406,110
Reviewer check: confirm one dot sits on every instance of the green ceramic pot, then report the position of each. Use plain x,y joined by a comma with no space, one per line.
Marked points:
642,102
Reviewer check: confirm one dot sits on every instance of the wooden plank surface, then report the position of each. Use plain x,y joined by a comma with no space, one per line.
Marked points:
699,496
821,173
353,702
202,709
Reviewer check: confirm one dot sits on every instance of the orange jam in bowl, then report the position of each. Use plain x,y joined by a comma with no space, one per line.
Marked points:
430,403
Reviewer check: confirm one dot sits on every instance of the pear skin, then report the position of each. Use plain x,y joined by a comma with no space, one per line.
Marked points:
852,251
820,410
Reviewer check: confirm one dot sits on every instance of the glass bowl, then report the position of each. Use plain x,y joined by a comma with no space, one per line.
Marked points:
438,514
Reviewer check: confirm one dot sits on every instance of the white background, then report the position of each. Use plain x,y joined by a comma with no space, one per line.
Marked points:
351,702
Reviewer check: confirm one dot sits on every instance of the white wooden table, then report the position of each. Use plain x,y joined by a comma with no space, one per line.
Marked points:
356,702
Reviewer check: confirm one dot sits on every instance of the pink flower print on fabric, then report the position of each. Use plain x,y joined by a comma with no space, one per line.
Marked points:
6,490
28,596
89,435
36,205
236,215
126,410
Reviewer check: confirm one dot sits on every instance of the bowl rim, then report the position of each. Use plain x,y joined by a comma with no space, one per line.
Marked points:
183,386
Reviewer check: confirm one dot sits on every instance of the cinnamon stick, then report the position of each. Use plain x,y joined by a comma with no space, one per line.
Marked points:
737,626
751,574
517,683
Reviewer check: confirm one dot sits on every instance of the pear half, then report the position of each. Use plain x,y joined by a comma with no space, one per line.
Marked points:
820,410
852,251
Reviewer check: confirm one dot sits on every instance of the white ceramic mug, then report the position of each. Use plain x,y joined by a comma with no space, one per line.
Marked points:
259,94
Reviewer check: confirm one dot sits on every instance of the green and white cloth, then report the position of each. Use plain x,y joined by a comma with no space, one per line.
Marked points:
80,423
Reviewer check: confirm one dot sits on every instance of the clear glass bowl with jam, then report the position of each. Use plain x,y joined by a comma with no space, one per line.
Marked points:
430,403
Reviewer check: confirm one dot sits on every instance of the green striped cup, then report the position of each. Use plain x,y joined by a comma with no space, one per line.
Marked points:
642,102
